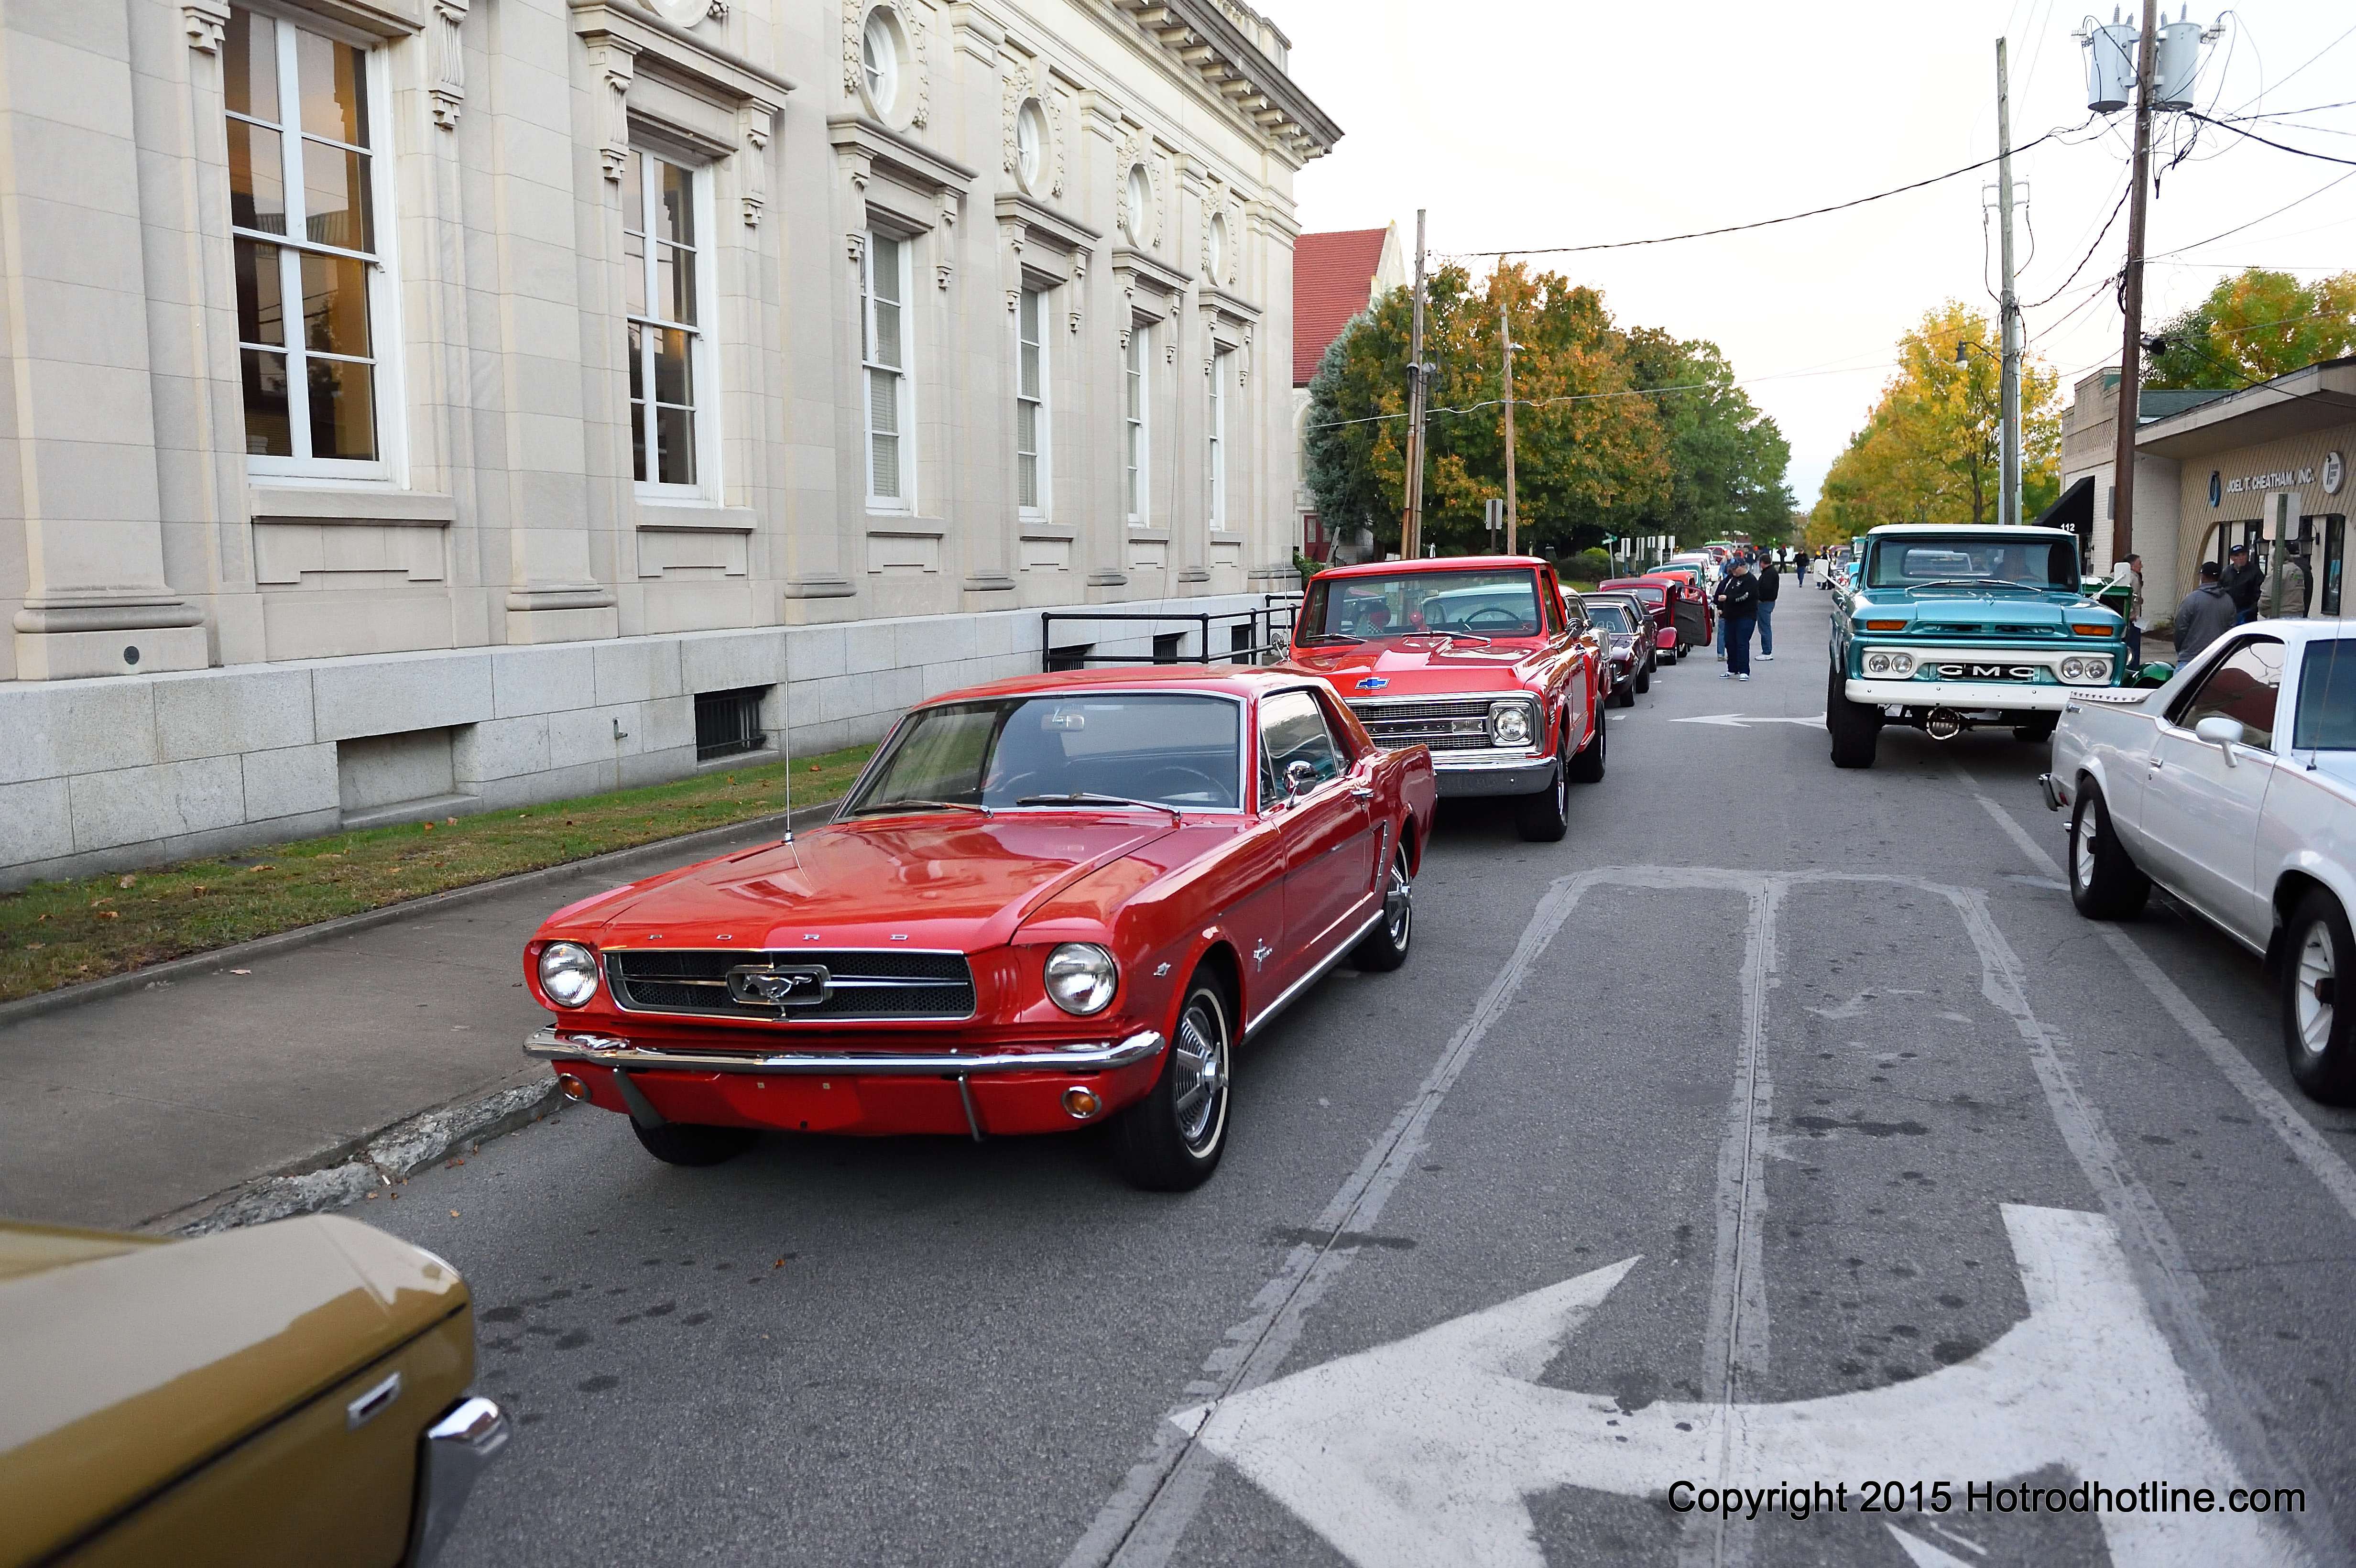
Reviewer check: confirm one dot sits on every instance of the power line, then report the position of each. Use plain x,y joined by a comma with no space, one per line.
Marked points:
2295,69
2253,223
1762,223
2253,135
2099,236
1488,403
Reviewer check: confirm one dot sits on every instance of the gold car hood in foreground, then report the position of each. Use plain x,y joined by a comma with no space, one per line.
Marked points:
126,1362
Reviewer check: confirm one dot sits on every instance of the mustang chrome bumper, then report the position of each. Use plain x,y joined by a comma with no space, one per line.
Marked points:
1968,696
610,1050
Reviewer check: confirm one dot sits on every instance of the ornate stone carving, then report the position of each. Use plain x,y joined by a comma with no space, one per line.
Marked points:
1135,153
207,21
449,90
753,162
717,10
1020,84
917,17
916,26
857,246
616,63
942,273
1055,106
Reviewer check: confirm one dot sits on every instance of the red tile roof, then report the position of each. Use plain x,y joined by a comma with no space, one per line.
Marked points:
1332,277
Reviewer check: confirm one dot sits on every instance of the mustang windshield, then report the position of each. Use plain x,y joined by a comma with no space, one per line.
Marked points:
1158,749
1609,617
1501,603
1915,559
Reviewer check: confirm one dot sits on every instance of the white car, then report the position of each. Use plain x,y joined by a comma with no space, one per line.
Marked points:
2233,787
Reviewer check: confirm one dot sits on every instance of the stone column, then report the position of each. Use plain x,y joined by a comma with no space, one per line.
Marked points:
77,418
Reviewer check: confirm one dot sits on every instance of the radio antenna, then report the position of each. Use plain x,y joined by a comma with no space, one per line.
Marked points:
786,727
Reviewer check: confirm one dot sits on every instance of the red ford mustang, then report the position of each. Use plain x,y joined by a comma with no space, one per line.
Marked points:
1048,903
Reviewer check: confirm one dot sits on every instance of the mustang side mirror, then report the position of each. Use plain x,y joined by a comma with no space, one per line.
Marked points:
2155,674
2221,732
1299,778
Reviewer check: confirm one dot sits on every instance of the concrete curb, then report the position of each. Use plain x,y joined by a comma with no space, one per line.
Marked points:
393,1155
65,996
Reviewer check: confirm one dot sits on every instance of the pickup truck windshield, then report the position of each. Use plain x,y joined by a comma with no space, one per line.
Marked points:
2327,697
1916,559
1501,603
1157,748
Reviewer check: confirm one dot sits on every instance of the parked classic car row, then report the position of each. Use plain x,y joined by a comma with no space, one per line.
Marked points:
1064,900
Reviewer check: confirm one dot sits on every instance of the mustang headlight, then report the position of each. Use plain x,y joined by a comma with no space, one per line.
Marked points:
568,973
1081,977
1509,723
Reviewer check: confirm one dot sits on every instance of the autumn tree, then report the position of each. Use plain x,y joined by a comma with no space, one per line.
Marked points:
1589,453
1929,452
2253,327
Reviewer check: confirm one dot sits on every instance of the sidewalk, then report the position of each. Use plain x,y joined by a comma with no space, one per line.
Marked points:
140,1103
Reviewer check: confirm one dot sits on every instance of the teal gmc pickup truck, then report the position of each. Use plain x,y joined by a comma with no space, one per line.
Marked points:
1947,628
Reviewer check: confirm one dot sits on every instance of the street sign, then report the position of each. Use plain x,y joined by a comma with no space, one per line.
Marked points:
1425,1451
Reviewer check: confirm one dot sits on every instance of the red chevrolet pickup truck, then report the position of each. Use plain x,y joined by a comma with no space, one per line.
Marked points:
1471,656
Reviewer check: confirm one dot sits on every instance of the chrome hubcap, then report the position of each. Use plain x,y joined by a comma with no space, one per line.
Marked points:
2317,990
1199,1069
1399,901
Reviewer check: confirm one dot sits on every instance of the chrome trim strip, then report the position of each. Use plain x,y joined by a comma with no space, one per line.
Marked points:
451,1458
1292,992
610,1050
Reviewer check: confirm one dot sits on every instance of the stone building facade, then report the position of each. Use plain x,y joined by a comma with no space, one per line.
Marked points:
425,405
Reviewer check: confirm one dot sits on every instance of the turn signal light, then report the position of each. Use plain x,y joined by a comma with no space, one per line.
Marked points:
1080,1104
1885,625
2078,630
571,1088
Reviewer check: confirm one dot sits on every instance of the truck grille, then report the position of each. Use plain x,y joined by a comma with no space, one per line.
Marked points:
858,985
1444,724
1984,669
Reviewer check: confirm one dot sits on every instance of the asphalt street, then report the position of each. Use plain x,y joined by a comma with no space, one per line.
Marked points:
1781,1126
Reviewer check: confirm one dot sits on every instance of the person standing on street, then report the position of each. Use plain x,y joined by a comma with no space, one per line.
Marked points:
2206,615
2132,575
1738,613
1769,579
2242,581
2285,593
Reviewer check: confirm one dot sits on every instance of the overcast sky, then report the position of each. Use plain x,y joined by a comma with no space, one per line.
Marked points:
1537,123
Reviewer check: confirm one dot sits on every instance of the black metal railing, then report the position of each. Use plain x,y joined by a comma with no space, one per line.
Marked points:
1261,635
728,723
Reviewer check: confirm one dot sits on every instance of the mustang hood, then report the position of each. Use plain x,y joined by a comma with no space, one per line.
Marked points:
1410,665
941,881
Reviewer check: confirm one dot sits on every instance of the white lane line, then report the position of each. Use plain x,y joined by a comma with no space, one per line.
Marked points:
1141,1523
2273,1108
1734,1349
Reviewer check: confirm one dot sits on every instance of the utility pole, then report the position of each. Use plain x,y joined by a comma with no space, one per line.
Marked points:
1505,341
2009,502
1411,516
2131,293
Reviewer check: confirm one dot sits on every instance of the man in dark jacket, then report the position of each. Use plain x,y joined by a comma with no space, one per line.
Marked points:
2241,581
1769,579
1737,608
2206,615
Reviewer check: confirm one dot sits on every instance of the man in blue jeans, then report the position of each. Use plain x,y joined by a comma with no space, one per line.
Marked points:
1738,609
1769,578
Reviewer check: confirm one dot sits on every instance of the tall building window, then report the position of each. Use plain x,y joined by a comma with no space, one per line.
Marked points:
1215,426
310,289
884,291
1030,403
668,347
1133,426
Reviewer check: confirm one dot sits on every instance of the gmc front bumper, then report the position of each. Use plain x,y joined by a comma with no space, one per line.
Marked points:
1964,695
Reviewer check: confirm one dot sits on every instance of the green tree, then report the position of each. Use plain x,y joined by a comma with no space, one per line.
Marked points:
2253,327
1586,453
1727,461
1929,451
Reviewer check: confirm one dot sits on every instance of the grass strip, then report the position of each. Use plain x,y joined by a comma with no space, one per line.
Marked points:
56,934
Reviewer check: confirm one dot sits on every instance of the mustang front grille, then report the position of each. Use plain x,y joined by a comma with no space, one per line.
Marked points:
1444,724
817,986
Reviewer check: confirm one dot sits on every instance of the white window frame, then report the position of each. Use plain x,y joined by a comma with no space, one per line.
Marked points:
1215,425
1137,421
903,374
391,463
703,354
1033,299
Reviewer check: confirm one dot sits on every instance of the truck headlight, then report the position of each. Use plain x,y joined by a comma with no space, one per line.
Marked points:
1081,977
1876,663
568,974
1901,664
1509,723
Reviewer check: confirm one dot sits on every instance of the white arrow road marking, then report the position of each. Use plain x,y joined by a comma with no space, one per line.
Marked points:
1424,1451
1744,721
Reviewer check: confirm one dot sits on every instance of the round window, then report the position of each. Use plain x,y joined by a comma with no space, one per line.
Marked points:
1218,257
1030,142
879,60
1136,200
